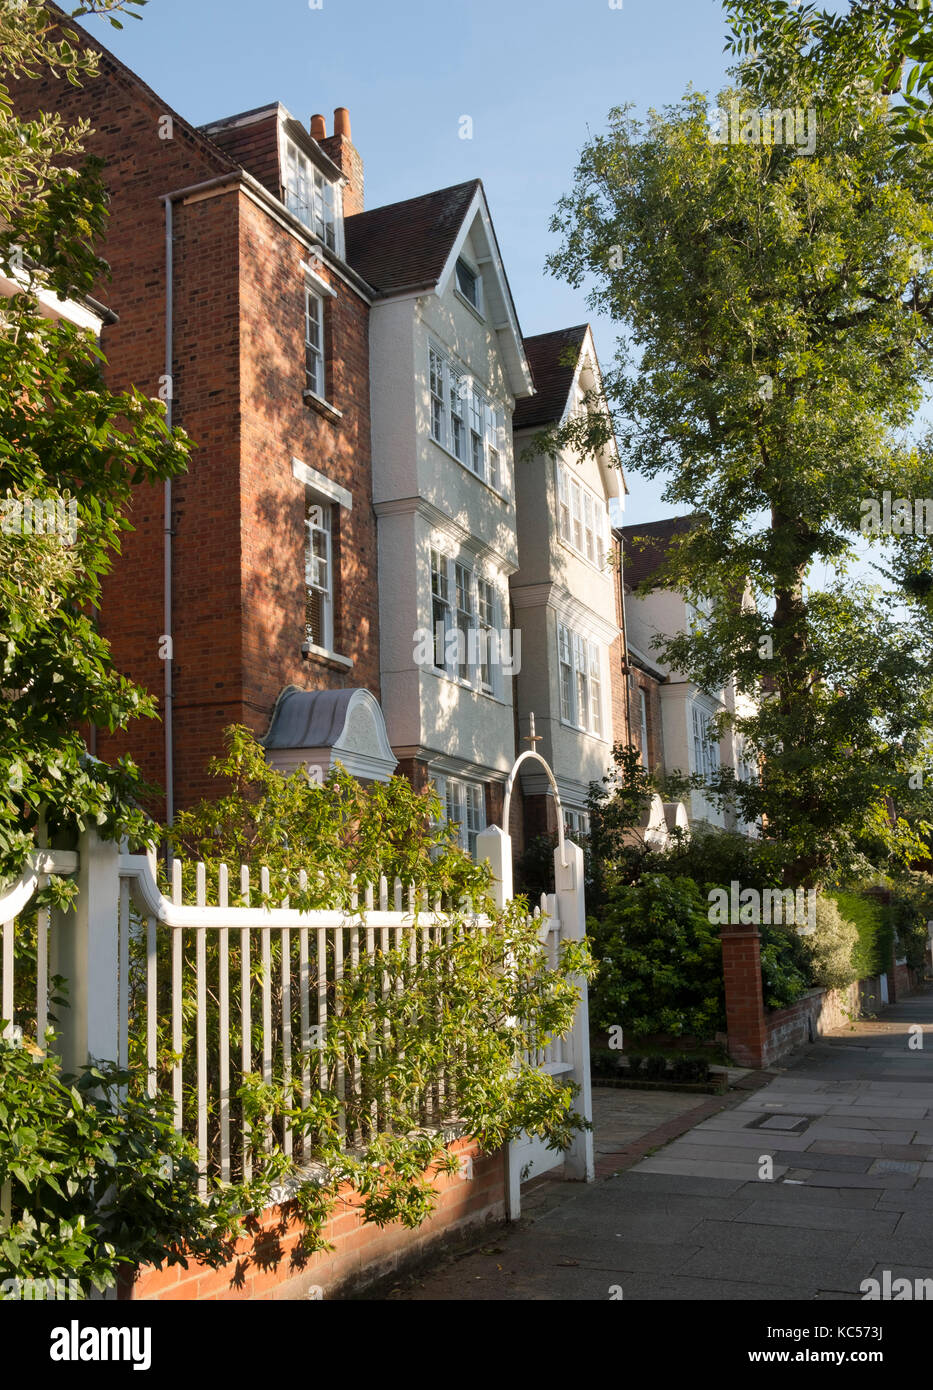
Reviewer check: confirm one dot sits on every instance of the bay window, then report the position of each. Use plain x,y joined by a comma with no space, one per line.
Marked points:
580,678
582,518
464,421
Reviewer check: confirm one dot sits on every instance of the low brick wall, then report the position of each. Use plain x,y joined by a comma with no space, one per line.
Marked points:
267,1264
818,1011
759,1037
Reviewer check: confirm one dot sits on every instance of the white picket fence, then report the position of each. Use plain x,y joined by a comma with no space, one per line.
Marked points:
209,994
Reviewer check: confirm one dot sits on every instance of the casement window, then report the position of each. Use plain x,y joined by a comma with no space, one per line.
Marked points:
465,422
312,198
457,422
643,701
465,603
486,598
580,676
466,618
705,746
582,518
576,824
440,599
465,806
319,571
314,342
470,285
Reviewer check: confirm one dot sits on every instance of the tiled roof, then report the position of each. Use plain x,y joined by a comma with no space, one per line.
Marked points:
403,245
553,377
641,561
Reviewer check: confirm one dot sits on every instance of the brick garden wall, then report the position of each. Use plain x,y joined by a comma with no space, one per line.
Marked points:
268,1265
758,1037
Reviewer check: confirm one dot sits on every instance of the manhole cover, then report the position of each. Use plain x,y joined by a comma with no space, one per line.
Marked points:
894,1165
787,1124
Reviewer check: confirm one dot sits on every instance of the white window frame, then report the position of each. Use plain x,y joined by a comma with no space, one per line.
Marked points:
313,198
576,823
706,754
315,359
464,804
580,668
477,279
319,524
582,518
464,597
454,396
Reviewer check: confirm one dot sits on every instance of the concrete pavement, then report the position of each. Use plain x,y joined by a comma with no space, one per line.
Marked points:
819,1180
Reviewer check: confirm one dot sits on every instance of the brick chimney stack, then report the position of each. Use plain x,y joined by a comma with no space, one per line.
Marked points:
343,152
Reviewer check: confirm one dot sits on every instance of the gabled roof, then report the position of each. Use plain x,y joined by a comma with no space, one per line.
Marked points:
405,246
640,562
412,247
553,376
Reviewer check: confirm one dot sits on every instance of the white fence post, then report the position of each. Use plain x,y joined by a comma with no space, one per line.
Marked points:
494,847
85,949
578,1160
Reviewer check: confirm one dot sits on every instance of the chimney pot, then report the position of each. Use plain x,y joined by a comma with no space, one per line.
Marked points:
342,122
318,128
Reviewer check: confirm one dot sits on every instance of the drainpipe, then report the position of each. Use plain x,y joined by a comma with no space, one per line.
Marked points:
628,684
167,519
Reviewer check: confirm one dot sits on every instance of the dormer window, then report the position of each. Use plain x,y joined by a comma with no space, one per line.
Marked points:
470,286
312,198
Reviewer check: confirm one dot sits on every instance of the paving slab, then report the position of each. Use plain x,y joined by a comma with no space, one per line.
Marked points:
852,1193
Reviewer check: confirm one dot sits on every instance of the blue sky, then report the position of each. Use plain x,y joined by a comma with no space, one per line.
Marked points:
536,76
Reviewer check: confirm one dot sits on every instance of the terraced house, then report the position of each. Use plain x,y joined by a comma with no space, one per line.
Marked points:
447,365
565,592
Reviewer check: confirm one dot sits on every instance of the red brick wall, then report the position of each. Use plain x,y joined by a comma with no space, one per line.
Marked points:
256,147
239,374
140,168
277,425
347,158
745,1015
267,1264
618,679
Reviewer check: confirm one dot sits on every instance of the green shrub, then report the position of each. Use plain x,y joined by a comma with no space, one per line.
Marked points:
656,1068
660,960
691,1069
910,911
97,1177
871,955
831,947
635,1062
785,975
717,858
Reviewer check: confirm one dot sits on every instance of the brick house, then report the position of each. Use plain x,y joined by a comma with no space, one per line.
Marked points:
245,592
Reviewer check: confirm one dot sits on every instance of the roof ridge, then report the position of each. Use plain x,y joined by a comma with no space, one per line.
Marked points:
129,75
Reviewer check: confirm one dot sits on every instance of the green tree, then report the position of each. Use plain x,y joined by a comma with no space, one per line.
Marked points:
65,440
781,306
884,46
